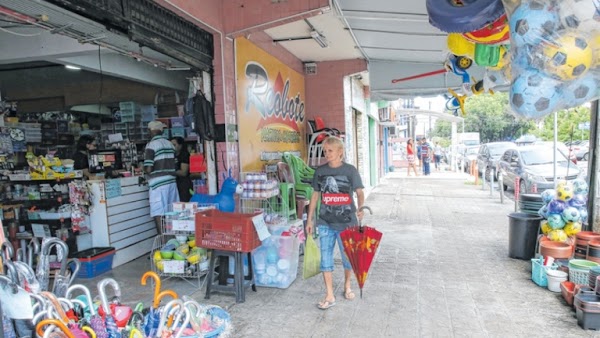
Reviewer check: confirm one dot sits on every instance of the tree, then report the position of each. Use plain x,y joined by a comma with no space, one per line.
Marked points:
568,125
488,114
442,129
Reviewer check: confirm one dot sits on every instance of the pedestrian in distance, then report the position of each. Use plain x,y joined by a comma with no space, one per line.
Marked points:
335,184
159,162
410,156
419,141
437,155
426,154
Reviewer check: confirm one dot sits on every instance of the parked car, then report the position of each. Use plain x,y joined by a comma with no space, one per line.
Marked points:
488,156
468,155
581,150
531,167
570,154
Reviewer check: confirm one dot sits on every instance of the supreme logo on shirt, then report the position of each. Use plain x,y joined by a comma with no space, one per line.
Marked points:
336,199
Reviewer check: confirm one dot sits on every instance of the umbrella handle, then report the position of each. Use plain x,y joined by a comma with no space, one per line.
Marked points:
7,251
157,282
165,314
102,291
161,295
52,300
359,221
89,331
39,328
75,270
87,294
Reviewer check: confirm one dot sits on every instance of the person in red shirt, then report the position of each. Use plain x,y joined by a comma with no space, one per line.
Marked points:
410,156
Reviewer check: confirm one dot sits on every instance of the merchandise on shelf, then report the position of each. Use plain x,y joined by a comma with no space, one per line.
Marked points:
257,185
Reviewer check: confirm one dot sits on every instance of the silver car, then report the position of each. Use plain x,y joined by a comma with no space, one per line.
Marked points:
531,167
488,156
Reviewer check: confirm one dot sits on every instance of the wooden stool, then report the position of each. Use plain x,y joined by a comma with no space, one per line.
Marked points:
240,282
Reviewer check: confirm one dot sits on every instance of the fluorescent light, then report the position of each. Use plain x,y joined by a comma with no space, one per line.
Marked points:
320,39
72,67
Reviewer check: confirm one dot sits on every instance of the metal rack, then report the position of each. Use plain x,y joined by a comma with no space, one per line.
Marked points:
179,228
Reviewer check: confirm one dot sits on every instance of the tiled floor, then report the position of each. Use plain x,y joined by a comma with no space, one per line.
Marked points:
442,270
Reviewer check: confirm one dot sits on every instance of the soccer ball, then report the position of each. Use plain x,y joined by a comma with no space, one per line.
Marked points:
578,201
555,221
531,23
564,192
584,214
557,206
583,15
568,56
534,95
557,235
571,214
595,45
548,195
543,212
580,91
572,228
580,187
545,227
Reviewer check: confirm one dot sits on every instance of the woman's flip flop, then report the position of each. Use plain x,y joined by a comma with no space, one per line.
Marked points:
349,295
325,304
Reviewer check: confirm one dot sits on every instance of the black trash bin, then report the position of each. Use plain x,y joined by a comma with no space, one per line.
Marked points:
522,234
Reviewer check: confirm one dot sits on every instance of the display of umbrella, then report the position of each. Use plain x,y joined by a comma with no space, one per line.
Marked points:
116,315
33,249
62,316
182,319
63,279
96,322
360,244
153,317
43,267
6,325
52,322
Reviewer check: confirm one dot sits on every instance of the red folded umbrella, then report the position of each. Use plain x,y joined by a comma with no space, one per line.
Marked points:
360,244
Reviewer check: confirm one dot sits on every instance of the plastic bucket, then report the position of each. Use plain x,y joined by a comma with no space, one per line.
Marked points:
555,277
522,235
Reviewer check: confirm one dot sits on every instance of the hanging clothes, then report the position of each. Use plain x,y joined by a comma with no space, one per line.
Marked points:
201,111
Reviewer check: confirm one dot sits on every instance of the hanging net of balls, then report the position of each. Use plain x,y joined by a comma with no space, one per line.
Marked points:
555,54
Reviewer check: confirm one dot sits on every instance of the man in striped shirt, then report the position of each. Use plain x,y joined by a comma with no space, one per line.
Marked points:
159,161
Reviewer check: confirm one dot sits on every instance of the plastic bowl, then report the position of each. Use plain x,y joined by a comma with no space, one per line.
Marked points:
192,243
167,254
179,256
582,264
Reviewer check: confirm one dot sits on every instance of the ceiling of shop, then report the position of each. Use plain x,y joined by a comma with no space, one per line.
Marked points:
395,37
62,37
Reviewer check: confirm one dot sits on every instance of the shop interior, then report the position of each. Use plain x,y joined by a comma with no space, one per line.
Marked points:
49,99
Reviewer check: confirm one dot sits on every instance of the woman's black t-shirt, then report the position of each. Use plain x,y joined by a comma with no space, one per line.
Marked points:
80,161
184,184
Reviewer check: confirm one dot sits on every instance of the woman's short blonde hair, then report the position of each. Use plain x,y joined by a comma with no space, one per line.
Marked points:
336,142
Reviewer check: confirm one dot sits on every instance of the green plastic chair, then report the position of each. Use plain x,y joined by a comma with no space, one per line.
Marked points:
303,189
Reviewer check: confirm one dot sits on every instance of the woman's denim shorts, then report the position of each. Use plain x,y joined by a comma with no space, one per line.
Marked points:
327,238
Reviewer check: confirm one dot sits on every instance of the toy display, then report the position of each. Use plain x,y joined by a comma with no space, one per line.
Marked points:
565,210
555,56
225,198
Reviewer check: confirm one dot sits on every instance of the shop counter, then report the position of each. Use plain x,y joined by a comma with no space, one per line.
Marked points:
120,218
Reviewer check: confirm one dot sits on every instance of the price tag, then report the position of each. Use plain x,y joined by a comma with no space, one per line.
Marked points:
184,225
261,227
173,266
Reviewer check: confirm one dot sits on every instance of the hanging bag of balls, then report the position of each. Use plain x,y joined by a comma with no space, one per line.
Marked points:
555,61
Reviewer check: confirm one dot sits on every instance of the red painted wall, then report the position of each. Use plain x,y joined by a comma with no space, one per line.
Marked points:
325,91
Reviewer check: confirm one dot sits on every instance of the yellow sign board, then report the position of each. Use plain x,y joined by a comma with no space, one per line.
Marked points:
270,106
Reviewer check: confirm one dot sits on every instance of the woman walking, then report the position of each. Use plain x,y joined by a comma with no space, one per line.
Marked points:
410,155
335,184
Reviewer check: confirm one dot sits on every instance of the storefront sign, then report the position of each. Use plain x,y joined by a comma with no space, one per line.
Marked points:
270,106
113,188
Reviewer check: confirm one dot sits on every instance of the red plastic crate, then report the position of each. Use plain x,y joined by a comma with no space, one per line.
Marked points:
226,231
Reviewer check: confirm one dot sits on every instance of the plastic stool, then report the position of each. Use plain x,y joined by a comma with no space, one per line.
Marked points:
240,282
285,203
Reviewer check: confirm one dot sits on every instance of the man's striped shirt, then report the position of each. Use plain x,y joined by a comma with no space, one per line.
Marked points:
160,155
